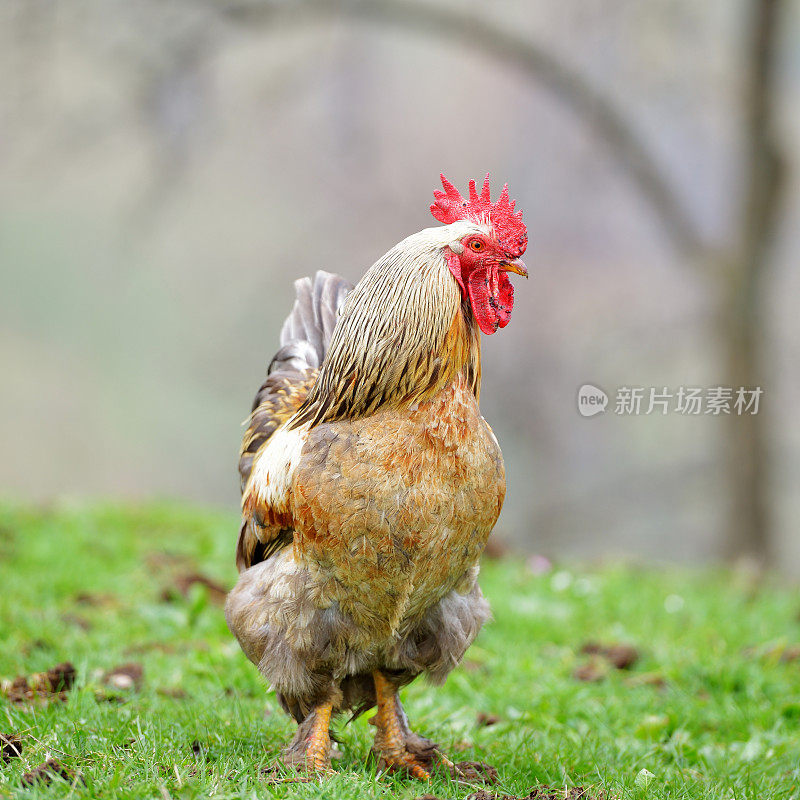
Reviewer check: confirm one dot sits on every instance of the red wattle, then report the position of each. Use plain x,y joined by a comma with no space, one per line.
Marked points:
490,293
492,298
480,289
505,299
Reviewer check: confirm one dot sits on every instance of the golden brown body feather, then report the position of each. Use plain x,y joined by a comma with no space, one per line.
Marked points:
393,511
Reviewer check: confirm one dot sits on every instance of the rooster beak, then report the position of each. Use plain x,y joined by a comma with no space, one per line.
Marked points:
517,266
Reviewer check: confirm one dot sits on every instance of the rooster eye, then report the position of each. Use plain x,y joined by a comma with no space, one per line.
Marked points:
476,245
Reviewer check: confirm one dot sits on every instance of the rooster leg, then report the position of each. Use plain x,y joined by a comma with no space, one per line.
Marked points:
398,748
310,748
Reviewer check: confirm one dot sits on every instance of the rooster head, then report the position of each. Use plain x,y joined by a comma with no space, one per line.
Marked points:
481,258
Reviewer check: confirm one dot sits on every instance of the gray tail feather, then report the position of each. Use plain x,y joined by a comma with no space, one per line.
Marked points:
307,331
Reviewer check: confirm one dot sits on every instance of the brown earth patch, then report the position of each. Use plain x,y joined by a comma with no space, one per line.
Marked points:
44,773
41,686
621,656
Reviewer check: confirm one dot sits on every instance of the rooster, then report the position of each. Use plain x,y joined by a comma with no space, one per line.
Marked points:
371,482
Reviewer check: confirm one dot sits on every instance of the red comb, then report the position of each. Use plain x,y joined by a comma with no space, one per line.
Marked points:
450,206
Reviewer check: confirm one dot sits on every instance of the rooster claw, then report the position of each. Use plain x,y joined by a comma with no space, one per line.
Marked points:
404,762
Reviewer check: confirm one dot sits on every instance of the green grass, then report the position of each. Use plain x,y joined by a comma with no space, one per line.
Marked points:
725,724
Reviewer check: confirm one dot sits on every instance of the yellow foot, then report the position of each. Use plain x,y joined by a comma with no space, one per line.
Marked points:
310,749
397,747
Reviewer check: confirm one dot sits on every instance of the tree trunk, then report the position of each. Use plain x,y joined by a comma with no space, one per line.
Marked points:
748,531
749,528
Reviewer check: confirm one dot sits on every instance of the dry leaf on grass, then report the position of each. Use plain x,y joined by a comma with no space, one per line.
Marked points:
791,653
182,575
10,746
591,672
622,656
45,773
94,599
172,692
77,620
41,686
475,771
183,582
654,679
125,676
543,792
484,720
104,696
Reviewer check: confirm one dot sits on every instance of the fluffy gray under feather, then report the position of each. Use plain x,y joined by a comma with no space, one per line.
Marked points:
310,654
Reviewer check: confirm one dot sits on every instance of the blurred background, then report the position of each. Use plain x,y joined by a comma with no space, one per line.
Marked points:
168,168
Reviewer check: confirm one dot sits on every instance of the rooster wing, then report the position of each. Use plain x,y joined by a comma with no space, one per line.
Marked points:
304,340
